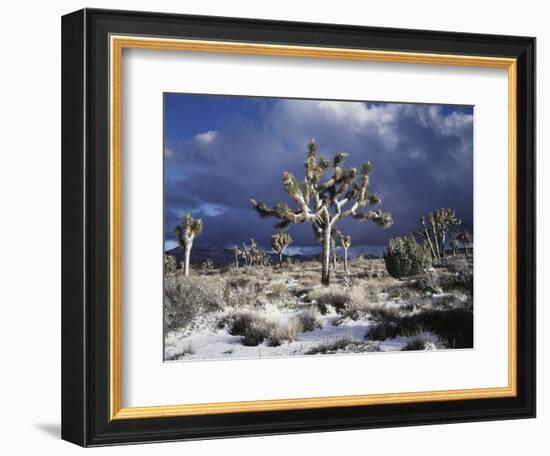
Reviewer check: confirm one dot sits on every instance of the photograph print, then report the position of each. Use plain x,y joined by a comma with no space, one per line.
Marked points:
316,227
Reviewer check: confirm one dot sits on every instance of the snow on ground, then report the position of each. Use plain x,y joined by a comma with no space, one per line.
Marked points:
218,343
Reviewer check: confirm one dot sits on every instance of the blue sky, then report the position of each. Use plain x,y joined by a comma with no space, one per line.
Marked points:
222,150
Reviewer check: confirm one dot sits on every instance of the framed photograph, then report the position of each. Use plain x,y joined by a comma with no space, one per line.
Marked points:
278,227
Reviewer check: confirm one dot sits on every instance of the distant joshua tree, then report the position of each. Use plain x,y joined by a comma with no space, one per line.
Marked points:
346,243
440,223
465,238
454,246
279,243
323,204
186,233
253,255
237,253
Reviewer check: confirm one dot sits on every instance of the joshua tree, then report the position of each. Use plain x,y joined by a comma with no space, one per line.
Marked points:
466,239
279,243
237,253
434,233
454,246
186,233
253,255
323,204
346,243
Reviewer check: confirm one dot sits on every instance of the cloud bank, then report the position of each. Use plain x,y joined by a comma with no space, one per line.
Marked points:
220,151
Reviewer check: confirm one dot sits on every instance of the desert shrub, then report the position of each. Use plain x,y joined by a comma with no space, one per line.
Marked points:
429,283
187,299
454,327
277,290
383,314
382,331
281,332
253,328
238,282
462,281
405,257
330,296
309,319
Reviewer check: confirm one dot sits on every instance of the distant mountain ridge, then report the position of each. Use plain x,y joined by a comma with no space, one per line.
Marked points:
222,256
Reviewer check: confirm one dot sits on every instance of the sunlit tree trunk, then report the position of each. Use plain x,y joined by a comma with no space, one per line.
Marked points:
325,273
188,246
346,260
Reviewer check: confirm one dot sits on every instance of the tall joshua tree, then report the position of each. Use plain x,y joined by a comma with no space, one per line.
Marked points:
279,243
440,223
346,243
186,233
323,204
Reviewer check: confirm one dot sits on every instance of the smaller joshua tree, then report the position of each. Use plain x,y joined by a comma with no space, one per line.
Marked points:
237,253
279,243
346,243
465,238
253,255
186,233
440,223
454,246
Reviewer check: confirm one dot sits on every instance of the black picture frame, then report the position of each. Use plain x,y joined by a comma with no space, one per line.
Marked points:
85,225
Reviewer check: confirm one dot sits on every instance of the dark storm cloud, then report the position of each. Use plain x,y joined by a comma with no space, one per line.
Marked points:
421,154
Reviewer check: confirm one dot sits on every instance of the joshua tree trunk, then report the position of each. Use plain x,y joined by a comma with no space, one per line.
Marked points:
427,237
346,260
188,246
236,259
281,260
325,274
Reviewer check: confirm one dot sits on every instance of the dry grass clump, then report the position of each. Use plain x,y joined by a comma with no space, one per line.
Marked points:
256,329
187,299
334,296
284,332
309,318
253,328
277,290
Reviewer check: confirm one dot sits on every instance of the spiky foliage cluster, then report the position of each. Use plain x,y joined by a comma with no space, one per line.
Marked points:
188,230
346,242
186,233
324,201
466,239
434,232
279,243
170,264
254,255
405,257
